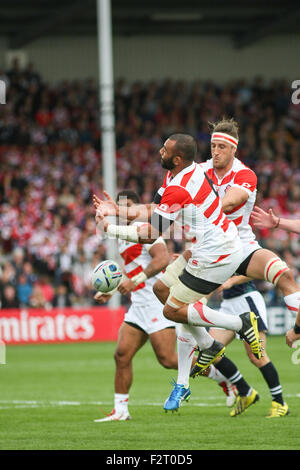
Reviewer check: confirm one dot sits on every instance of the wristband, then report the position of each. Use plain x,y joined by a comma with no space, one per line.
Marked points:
276,225
139,278
125,232
297,329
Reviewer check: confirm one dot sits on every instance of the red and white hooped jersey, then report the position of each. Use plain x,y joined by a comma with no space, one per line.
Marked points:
189,199
240,176
136,258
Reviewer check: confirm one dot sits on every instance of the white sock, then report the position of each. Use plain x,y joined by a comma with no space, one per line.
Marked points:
202,337
201,315
188,337
121,402
292,302
185,347
216,375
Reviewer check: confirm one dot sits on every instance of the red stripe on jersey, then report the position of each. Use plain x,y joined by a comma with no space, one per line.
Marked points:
210,173
238,221
133,273
174,199
166,178
225,224
186,178
294,309
227,178
203,192
199,307
212,208
219,217
236,208
246,178
220,258
131,253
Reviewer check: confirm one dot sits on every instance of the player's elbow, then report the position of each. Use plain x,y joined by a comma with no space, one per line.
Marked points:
160,262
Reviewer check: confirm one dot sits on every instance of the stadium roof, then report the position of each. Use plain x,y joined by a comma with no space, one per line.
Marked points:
245,22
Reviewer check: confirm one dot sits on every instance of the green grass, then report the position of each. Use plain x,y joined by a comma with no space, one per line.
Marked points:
48,375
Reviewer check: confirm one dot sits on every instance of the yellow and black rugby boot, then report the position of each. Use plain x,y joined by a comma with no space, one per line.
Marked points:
242,403
249,332
206,357
277,410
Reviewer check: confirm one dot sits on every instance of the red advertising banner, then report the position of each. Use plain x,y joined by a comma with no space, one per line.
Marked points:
22,326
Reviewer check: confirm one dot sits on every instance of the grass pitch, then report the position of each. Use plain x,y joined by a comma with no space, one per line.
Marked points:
50,395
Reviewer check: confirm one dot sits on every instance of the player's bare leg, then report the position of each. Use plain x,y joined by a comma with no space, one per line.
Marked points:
164,345
161,291
130,340
256,269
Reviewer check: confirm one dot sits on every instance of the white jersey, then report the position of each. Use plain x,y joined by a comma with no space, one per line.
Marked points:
189,199
136,258
239,176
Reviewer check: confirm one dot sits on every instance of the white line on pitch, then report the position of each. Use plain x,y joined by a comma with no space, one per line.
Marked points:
5,404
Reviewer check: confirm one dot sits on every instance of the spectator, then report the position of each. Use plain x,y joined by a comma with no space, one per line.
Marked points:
24,290
62,297
9,298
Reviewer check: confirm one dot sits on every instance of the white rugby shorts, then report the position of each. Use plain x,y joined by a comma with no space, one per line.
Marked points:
249,247
217,271
252,301
149,317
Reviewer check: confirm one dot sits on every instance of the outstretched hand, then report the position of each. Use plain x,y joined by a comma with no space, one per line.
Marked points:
108,206
291,337
101,221
102,298
262,219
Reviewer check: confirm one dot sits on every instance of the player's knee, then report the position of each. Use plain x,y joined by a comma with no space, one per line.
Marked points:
253,359
166,361
121,358
277,272
161,291
287,280
168,312
258,362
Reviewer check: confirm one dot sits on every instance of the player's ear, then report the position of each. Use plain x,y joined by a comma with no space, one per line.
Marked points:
177,159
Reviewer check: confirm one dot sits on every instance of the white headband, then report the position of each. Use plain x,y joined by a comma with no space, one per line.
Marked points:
225,138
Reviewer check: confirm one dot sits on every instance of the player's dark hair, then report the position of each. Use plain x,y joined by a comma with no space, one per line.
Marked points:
132,195
228,126
185,146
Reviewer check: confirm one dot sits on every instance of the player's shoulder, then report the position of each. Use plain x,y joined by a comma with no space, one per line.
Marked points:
240,169
207,165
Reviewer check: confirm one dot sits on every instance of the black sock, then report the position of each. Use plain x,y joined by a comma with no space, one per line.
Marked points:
231,372
271,377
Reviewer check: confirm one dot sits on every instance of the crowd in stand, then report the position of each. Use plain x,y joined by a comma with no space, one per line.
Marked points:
51,165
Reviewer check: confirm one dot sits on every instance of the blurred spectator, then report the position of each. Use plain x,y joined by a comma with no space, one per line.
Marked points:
9,297
46,288
37,298
24,289
62,297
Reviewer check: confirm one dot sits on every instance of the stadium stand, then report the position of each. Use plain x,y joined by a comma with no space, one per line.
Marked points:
51,165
